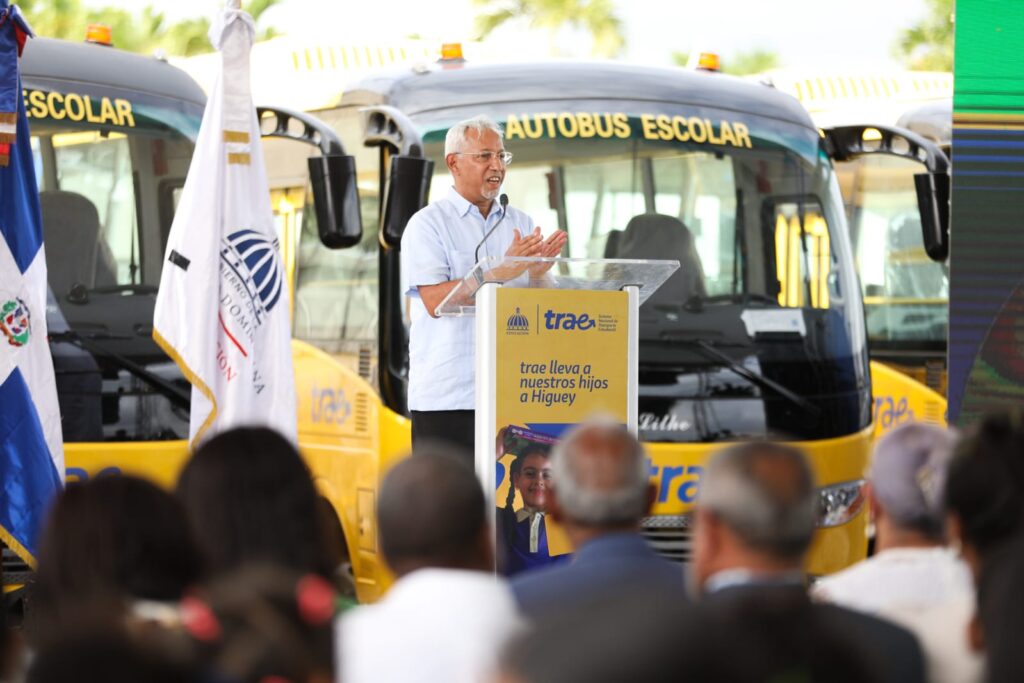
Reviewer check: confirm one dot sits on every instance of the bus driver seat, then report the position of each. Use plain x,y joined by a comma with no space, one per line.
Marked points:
71,234
657,236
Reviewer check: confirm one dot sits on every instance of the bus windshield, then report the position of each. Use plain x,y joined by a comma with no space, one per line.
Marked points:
754,222
108,186
764,318
748,205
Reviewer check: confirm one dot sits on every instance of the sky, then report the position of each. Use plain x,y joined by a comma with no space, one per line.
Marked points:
804,33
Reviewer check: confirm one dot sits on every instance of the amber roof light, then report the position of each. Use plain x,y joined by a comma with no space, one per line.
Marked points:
99,34
451,51
709,61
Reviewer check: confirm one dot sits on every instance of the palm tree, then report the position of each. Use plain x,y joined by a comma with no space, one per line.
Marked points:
144,31
928,45
596,17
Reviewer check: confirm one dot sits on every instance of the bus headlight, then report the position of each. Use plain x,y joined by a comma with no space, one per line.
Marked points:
839,503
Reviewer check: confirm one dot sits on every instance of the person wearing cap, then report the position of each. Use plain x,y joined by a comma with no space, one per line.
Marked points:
914,578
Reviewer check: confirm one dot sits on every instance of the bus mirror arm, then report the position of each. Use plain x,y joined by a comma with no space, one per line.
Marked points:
386,126
277,122
845,143
402,159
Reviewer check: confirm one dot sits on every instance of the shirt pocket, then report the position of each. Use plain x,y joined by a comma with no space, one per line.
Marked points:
462,263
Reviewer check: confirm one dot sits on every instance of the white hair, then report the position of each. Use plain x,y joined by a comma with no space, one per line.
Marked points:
455,140
624,504
775,516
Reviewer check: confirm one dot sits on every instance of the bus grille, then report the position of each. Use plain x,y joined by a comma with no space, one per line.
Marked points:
669,535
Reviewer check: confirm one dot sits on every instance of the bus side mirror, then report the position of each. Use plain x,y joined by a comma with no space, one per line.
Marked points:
336,200
933,205
843,143
408,188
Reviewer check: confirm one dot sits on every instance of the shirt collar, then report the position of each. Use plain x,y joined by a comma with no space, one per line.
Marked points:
745,577
464,206
620,543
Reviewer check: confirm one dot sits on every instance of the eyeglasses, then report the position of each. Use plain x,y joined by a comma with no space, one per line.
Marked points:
485,157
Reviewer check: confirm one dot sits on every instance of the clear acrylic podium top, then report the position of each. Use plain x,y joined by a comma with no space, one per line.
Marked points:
562,273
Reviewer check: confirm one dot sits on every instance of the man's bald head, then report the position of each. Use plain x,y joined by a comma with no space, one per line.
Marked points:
431,513
600,475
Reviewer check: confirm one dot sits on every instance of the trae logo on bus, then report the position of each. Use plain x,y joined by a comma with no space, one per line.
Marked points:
251,280
15,322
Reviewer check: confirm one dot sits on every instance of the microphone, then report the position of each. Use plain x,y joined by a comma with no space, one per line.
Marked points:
503,200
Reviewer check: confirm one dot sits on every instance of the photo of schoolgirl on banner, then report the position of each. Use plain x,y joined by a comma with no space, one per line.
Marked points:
524,478
560,358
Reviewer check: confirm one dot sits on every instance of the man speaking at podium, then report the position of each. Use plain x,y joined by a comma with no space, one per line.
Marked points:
440,245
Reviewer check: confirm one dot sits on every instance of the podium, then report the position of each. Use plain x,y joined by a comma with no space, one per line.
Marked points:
556,342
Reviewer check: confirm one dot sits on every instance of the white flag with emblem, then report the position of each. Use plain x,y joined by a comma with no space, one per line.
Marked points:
222,309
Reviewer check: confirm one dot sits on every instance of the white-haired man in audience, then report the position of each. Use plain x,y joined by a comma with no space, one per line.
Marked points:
600,491
755,520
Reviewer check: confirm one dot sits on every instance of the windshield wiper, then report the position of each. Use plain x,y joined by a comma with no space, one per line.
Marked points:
752,376
760,380
173,393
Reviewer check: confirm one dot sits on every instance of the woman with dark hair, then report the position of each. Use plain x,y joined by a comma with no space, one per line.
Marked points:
262,623
251,498
985,486
111,542
522,541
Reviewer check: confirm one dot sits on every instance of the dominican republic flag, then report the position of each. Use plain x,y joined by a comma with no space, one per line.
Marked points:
222,308
31,449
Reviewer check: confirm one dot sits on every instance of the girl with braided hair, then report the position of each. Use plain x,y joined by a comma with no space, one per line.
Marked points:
522,539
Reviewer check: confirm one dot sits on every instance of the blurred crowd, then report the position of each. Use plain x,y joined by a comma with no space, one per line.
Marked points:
241,573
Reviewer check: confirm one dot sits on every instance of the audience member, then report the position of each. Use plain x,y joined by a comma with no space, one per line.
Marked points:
112,541
1001,613
250,498
344,579
263,623
985,486
601,491
105,652
447,615
522,535
629,635
663,641
11,650
755,519
913,578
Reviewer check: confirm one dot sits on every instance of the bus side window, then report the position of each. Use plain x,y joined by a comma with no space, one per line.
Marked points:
803,258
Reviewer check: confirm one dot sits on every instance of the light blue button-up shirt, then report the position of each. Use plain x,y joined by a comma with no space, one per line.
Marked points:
438,246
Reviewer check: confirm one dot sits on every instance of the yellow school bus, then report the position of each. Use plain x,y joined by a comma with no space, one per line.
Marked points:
113,135
773,344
